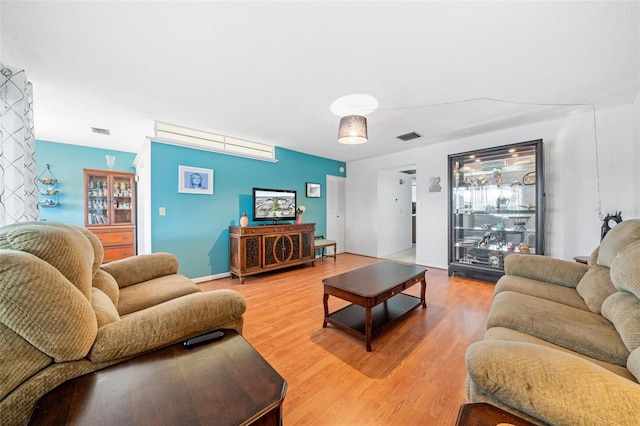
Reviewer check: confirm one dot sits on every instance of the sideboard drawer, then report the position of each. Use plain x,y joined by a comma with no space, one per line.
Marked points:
118,242
111,238
116,253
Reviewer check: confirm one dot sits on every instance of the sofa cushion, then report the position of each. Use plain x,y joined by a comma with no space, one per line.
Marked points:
106,312
595,286
20,362
502,333
556,293
60,245
545,269
623,310
44,308
617,238
104,282
633,363
153,292
98,249
625,270
575,329
555,387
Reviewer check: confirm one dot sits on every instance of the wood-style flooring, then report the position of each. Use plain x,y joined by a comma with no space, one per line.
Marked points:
415,374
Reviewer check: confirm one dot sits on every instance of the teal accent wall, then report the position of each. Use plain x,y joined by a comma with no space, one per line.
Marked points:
196,227
67,164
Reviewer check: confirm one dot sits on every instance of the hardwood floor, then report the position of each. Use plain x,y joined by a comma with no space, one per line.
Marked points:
415,374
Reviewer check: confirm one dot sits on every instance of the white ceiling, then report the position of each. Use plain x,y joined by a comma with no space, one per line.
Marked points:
268,71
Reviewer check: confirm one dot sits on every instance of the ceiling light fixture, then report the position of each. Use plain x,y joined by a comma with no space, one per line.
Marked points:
353,130
352,110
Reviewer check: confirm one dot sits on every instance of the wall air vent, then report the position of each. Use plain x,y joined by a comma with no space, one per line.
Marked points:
101,131
409,136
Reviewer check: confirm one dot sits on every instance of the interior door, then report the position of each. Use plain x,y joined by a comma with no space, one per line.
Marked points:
336,215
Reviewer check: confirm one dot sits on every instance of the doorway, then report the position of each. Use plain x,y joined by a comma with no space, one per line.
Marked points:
336,218
397,185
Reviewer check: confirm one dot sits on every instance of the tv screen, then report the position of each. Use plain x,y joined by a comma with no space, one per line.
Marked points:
274,204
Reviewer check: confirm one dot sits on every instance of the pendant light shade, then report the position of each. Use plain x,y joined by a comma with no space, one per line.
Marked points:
353,130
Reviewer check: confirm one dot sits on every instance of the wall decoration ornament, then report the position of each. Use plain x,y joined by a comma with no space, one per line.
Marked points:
195,180
434,185
609,221
314,190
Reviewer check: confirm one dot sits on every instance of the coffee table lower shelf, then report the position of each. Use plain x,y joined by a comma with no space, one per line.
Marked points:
352,317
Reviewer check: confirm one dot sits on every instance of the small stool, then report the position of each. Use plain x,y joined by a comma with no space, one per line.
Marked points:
321,243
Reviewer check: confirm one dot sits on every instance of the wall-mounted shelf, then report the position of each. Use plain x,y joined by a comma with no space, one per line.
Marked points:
48,188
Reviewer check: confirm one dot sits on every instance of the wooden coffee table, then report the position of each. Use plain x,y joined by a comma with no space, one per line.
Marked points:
376,297
225,382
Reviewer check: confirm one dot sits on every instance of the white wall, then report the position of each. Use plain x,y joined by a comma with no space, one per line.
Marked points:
573,200
142,163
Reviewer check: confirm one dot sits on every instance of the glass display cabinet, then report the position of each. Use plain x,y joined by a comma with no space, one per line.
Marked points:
110,211
496,207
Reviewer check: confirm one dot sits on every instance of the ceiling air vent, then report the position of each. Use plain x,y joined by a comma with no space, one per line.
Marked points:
101,131
409,136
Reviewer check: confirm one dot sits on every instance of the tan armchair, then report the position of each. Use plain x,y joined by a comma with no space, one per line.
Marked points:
63,315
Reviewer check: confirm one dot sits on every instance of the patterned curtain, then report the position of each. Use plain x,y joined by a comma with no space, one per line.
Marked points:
18,173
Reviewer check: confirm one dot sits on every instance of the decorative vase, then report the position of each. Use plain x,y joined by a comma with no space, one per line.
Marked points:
299,219
244,220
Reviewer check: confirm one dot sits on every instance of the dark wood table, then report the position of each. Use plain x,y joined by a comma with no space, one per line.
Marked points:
225,382
483,414
376,297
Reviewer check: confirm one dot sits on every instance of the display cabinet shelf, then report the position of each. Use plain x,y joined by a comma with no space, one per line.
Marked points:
496,207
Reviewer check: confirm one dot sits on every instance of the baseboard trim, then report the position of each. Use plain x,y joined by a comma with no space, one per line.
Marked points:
211,277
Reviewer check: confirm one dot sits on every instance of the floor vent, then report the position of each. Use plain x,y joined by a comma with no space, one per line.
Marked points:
409,136
101,131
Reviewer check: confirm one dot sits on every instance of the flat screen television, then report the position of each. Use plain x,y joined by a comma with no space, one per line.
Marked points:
274,204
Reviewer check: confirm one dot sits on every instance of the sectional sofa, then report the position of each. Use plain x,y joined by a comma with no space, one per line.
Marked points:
562,340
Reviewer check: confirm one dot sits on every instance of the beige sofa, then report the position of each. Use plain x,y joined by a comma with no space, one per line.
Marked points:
63,315
562,340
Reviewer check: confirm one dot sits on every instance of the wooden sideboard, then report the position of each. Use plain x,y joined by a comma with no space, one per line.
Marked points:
256,249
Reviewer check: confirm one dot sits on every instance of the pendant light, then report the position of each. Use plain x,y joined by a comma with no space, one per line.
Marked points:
353,130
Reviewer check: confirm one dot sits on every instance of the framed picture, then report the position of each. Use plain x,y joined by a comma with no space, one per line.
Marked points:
313,190
194,180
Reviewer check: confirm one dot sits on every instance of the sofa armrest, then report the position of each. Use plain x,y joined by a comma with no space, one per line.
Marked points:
545,269
550,385
144,267
167,323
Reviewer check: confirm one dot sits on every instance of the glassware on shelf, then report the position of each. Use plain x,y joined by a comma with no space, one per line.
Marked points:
519,222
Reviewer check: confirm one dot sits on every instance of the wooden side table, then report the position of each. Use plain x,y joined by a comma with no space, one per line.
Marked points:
225,382
483,414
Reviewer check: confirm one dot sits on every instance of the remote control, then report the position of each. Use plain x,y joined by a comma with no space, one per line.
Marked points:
194,341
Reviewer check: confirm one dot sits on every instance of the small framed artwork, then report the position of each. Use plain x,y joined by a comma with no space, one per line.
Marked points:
195,180
313,190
